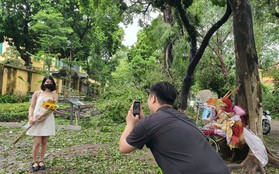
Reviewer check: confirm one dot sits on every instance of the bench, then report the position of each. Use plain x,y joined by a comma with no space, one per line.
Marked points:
75,102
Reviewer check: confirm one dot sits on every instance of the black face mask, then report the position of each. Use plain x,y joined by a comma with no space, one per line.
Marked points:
49,86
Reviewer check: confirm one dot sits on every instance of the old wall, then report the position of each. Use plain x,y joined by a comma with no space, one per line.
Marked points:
13,80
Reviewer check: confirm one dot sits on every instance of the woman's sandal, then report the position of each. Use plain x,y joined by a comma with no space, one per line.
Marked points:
35,167
41,165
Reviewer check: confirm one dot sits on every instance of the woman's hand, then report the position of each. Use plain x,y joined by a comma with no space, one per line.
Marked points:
31,121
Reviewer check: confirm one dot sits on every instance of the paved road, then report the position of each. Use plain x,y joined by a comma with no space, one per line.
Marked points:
275,127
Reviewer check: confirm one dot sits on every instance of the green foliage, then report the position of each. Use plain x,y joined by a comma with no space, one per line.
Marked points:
219,2
72,29
16,107
265,32
276,78
132,78
210,77
100,69
13,112
50,25
11,56
180,60
122,91
14,25
271,96
117,108
14,98
101,36
270,102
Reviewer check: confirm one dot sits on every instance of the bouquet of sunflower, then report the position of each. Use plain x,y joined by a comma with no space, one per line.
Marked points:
49,105
47,108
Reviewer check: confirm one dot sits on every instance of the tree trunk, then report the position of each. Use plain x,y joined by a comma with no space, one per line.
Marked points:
26,58
195,56
249,95
168,49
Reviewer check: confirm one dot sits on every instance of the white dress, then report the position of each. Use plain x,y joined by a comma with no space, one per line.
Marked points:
46,127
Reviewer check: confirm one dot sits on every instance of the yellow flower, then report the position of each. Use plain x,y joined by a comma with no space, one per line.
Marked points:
50,105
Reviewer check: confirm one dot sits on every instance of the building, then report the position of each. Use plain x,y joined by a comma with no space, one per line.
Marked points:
15,78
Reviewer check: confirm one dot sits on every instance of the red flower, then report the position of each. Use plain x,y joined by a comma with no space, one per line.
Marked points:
234,140
237,128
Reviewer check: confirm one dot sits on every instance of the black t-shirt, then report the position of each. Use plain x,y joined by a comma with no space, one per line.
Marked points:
178,148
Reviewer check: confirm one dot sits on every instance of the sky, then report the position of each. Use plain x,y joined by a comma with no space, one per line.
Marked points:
131,30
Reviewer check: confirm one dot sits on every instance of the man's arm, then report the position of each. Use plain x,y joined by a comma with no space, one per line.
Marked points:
124,147
131,120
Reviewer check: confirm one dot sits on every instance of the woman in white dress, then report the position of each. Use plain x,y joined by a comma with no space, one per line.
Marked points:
42,127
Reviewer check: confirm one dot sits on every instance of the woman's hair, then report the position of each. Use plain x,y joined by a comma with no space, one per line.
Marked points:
43,87
165,92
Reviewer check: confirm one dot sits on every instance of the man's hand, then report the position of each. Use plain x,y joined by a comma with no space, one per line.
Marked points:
131,119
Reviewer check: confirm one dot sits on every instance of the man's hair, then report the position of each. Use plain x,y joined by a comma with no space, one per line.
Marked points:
165,92
53,82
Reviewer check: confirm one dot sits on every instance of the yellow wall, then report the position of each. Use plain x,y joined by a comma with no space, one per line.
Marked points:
39,65
15,80
37,81
12,83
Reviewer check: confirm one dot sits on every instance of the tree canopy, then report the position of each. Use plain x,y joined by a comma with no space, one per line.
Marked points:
75,30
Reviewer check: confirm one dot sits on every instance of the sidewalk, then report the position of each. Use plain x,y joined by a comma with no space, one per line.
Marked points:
15,124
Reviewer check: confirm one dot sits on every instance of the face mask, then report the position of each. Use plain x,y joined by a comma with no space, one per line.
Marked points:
49,86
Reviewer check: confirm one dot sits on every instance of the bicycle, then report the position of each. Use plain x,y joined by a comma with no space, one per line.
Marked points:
208,115
216,137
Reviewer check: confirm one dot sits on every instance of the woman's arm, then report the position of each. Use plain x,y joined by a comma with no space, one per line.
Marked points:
43,117
32,106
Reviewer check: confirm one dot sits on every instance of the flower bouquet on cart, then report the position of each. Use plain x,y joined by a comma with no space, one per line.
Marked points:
47,108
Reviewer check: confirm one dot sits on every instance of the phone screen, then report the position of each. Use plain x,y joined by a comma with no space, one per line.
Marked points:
136,108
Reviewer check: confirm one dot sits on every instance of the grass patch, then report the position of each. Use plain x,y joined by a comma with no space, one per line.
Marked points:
94,149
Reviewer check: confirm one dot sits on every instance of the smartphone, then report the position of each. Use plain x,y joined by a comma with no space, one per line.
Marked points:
136,108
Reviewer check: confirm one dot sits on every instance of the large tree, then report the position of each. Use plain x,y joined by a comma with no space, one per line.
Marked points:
84,33
15,19
52,32
249,95
94,25
189,23
103,34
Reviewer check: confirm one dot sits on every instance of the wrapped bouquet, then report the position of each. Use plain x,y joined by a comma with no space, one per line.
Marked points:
47,108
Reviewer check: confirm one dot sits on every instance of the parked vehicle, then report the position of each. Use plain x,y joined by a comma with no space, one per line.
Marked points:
266,122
